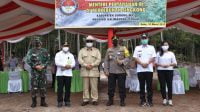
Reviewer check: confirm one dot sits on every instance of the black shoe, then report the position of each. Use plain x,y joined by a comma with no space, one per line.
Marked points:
85,103
59,104
94,103
34,102
142,104
122,104
150,104
43,103
109,103
67,104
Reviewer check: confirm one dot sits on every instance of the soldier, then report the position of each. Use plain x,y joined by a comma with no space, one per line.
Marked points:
114,65
89,58
38,59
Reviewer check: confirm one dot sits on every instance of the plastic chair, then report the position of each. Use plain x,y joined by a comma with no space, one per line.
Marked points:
177,83
192,76
197,72
14,82
197,75
132,81
49,74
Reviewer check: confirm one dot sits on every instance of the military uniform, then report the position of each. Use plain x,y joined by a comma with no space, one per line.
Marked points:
114,65
90,56
38,56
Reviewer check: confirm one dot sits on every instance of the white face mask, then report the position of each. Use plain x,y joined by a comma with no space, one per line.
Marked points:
89,44
165,48
65,49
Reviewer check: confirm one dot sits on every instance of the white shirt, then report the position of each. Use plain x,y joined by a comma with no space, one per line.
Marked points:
144,54
62,59
166,59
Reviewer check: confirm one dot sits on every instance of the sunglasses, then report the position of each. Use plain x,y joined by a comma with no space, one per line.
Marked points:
144,38
89,40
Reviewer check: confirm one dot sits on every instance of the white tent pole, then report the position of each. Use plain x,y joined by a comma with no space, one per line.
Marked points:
4,50
135,42
100,47
10,48
161,36
59,39
131,46
127,44
7,51
29,44
78,43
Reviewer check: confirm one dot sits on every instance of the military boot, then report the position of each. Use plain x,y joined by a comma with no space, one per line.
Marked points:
122,103
43,103
34,102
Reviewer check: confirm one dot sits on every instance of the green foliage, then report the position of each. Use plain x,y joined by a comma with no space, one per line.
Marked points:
186,46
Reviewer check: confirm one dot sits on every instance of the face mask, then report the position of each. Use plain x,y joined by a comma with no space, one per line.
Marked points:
38,44
65,49
144,41
89,44
165,48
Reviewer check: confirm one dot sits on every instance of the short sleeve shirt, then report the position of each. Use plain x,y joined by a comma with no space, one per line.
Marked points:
166,59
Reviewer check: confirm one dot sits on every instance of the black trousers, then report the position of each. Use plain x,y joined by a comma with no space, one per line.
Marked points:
63,81
53,80
145,78
165,78
120,79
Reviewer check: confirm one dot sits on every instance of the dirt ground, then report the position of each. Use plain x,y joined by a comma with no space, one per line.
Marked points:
20,102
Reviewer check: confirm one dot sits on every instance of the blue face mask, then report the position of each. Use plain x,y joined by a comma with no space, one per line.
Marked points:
144,41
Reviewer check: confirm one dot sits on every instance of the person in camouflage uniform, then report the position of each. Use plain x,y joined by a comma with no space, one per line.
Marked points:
38,58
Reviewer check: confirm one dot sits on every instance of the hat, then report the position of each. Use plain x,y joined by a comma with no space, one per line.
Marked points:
37,40
90,37
144,35
66,44
115,38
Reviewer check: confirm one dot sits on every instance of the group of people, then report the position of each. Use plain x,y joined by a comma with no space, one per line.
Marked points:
145,57
115,64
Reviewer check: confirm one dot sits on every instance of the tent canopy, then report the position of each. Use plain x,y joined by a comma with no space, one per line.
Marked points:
21,18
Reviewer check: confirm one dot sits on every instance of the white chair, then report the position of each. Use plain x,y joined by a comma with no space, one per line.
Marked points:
128,78
135,85
102,75
132,81
197,72
128,81
192,76
177,83
197,75
49,74
14,82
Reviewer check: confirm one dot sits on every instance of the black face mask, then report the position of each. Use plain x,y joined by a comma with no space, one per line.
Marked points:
115,43
37,44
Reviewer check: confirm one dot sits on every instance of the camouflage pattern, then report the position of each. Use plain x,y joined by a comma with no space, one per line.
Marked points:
38,56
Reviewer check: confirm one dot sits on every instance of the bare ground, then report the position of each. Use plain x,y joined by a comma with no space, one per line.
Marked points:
20,102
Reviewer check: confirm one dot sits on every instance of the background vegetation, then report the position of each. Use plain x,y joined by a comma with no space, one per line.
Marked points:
185,45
